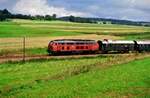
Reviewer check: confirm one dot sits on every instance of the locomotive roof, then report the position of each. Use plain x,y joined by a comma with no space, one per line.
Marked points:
73,41
118,42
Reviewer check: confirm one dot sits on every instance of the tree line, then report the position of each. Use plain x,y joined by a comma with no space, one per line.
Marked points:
5,14
103,21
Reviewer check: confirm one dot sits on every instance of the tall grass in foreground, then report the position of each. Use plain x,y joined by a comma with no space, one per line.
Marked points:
83,77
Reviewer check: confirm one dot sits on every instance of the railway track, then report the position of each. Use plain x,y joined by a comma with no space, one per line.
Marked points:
36,57
4,59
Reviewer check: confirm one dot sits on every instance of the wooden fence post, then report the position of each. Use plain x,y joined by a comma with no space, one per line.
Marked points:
24,46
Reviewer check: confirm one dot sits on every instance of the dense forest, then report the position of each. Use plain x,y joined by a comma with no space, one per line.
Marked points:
5,15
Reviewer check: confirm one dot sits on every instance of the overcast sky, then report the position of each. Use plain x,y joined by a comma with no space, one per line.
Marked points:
138,10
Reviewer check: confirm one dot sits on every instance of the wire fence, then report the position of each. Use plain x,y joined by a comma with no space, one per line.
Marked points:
20,48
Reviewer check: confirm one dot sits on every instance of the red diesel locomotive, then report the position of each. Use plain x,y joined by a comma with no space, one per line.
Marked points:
72,46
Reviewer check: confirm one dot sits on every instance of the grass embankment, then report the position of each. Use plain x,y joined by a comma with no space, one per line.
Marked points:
82,77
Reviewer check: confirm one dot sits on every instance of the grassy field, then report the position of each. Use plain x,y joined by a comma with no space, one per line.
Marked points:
19,28
102,76
113,76
39,33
